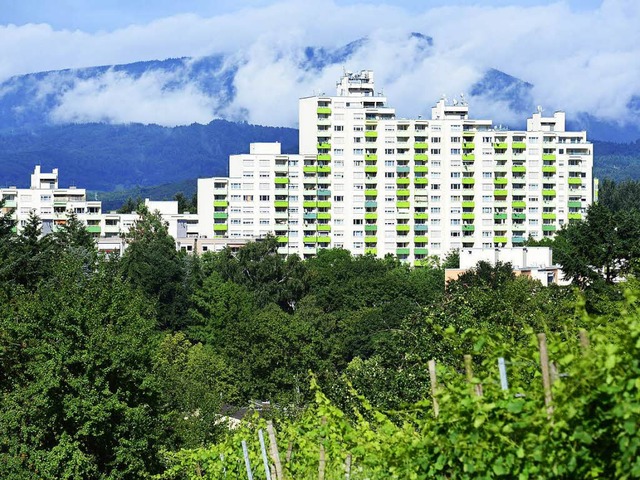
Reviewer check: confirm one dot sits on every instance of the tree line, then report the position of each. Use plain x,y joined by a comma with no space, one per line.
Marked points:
107,363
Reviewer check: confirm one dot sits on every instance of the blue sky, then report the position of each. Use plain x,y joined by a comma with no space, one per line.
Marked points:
96,15
580,55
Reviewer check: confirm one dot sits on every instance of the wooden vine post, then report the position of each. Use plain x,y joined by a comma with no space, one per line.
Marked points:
273,447
468,368
322,460
434,385
584,340
546,376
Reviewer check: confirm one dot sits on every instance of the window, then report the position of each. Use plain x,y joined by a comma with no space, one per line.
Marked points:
435,151
435,209
264,198
358,221
358,151
338,128
389,151
455,139
458,174
338,152
338,198
455,151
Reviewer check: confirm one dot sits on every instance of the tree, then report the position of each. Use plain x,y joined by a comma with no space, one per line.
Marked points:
73,233
152,264
605,245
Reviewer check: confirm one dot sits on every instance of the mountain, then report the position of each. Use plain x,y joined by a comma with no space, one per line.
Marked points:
110,157
79,119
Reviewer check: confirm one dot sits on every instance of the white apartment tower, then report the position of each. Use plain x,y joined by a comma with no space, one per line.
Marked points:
370,182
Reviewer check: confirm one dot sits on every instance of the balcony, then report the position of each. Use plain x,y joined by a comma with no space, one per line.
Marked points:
371,251
323,192
421,181
548,228
370,239
519,169
403,192
403,251
550,157
420,145
518,145
403,181
518,216
220,215
499,216
370,204
324,227
370,216
421,239
402,204
500,192
371,193
310,168
421,169
371,134
403,169
281,203
575,180
468,216
324,169
220,227
281,180
574,204
420,251
468,228
548,193
548,216
469,145
307,204
371,156
310,215
468,157
468,204
324,216
323,111
421,227
517,240
518,204
421,157
575,216
325,157
323,146
421,216
402,228
500,146
468,181
548,169
500,239
500,181
371,228
371,169
282,239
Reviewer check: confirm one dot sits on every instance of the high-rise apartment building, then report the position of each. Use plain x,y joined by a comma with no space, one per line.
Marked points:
371,182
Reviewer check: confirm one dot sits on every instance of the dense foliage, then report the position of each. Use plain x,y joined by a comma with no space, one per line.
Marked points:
122,367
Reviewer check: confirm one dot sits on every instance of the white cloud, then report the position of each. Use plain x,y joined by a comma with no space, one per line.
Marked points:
578,60
115,97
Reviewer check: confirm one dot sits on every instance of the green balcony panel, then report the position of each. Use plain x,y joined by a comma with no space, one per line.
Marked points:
500,181
548,216
549,157
220,227
519,169
324,204
421,157
499,216
468,216
469,157
518,216
518,145
468,145
220,203
500,146
468,181
574,204
371,193
403,228
421,227
421,216
324,216
575,216
403,169
370,204
324,157
324,227
403,192
420,251
371,134
468,228
309,239
468,133
518,204
310,168
93,228
282,239
468,204
420,145
370,216
421,169
323,146
548,193
309,204
324,239
575,181
402,181
422,263
323,111
421,239
370,239
403,251
371,251
548,228
500,239
370,169
371,228
281,204
421,181
220,215
402,204
371,156
548,169
281,180
500,192
310,215
324,169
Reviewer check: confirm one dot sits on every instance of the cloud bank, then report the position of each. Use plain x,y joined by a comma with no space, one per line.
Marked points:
578,61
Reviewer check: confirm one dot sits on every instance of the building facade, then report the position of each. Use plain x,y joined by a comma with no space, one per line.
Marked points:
370,182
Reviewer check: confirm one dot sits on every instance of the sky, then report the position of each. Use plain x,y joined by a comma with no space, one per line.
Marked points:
580,55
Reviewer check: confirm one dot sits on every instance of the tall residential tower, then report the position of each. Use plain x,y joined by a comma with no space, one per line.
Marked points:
370,182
